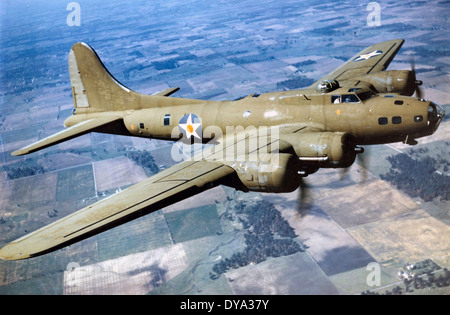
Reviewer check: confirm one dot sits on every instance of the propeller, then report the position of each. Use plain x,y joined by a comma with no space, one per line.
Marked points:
304,198
417,83
362,161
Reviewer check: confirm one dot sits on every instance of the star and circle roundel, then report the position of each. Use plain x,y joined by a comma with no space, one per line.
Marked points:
368,55
190,126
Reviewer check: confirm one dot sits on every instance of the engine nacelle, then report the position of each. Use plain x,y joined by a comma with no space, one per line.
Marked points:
393,81
271,172
323,149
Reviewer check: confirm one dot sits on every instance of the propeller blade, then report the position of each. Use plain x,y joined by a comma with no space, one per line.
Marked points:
362,161
417,83
419,93
304,198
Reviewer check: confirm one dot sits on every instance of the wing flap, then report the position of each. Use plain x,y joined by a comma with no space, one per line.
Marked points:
165,188
67,134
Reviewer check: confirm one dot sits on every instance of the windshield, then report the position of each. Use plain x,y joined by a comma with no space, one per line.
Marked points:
366,95
350,98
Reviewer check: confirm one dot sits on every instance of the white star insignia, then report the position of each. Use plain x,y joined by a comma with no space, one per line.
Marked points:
368,55
190,128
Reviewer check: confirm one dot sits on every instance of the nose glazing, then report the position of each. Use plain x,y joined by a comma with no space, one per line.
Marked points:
435,115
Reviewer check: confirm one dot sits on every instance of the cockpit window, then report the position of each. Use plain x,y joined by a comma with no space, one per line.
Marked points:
335,99
366,95
350,98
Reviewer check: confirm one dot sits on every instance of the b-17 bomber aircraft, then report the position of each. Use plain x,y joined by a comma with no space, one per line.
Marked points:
264,142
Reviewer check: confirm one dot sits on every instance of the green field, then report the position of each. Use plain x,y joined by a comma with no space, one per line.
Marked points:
75,183
143,234
193,223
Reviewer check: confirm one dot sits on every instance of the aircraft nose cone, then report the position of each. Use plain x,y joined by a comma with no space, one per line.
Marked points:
435,115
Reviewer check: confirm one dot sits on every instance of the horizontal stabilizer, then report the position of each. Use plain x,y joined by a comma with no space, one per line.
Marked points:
167,92
67,134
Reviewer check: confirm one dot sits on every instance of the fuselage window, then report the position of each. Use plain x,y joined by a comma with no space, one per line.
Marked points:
396,120
167,120
398,102
142,126
383,121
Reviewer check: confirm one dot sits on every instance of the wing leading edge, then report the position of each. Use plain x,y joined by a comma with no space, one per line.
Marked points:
170,186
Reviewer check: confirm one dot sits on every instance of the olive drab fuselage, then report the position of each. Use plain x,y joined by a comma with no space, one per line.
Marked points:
381,118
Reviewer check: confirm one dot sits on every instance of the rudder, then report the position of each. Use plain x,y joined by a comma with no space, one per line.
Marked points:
94,89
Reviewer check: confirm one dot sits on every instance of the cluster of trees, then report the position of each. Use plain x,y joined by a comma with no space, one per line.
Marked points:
328,30
443,280
166,64
305,63
24,171
27,168
431,281
267,235
52,214
294,83
418,177
262,218
171,63
144,159
250,59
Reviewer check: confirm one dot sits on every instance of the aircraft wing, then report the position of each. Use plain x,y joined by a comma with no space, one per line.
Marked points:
167,187
206,170
372,59
67,134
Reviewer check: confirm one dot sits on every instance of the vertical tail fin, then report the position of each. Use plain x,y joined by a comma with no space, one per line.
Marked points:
94,89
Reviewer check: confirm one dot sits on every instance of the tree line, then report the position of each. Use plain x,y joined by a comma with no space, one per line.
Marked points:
418,177
267,234
418,283
144,159
23,171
